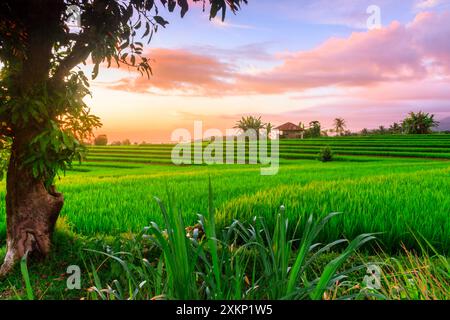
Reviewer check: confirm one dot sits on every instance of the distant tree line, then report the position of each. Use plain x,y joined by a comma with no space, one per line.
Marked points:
414,123
125,142
102,140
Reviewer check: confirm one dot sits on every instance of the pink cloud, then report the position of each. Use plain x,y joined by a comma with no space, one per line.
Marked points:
419,51
431,34
395,53
179,70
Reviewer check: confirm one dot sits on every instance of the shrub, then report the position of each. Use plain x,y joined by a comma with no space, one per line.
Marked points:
326,154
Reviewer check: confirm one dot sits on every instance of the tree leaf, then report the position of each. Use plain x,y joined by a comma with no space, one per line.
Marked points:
161,21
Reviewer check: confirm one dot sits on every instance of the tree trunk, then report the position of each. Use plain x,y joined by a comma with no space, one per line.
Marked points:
31,212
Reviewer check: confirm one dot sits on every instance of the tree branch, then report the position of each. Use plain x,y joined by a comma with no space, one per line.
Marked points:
79,54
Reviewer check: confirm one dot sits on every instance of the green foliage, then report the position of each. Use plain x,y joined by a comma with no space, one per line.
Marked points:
422,274
314,130
51,151
26,277
140,273
339,126
395,128
53,124
250,123
286,260
326,154
388,194
419,123
345,148
179,256
242,262
269,128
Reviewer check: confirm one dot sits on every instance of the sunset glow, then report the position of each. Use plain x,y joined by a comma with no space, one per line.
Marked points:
302,61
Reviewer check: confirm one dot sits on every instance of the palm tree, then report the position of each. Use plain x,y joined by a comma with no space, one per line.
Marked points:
250,123
395,128
419,123
269,128
339,126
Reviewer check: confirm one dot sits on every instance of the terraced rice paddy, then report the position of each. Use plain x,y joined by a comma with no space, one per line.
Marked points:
431,146
388,184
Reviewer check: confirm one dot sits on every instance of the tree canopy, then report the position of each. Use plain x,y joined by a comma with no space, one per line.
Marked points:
339,126
41,91
250,123
419,123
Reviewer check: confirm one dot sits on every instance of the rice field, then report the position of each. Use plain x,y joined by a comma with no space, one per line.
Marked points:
396,185
428,146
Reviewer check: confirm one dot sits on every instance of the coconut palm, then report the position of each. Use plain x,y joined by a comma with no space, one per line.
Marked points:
250,123
382,130
339,126
395,128
419,123
269,128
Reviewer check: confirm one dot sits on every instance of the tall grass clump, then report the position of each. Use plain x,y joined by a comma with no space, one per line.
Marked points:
243,261
413,276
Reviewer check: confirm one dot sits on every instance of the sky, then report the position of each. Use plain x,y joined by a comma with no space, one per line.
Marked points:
284,60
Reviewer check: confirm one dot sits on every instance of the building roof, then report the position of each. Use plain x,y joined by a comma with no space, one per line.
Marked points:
289,126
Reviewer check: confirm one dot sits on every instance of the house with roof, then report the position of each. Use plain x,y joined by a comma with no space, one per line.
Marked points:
290,131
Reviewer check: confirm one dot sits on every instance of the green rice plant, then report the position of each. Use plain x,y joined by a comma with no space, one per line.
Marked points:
433,147
379,194
380,203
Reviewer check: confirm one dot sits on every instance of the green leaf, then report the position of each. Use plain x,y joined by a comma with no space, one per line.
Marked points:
26,277
161,21
95,71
